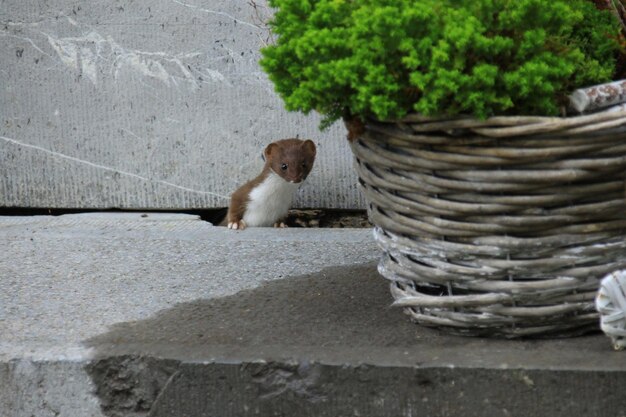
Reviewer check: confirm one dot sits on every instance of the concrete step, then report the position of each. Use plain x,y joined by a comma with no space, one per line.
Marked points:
131,314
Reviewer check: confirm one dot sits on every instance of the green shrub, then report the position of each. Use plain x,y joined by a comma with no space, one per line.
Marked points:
385,58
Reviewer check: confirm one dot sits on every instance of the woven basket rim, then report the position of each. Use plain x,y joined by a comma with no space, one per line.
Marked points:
509,126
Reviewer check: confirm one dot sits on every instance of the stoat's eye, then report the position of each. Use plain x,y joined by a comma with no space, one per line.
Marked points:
283,167
304,165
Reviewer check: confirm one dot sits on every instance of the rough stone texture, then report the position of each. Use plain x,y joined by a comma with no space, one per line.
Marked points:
317,390
59,388
130,386
163,315
156,104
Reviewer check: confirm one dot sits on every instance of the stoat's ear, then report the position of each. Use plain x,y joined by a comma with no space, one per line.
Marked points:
309,147
268,151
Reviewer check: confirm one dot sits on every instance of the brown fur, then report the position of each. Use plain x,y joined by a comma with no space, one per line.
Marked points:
299,157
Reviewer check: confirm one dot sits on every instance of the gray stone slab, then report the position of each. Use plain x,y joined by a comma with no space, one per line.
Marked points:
67,278
149,105
133,314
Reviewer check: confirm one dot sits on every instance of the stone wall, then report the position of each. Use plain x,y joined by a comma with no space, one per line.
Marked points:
146,104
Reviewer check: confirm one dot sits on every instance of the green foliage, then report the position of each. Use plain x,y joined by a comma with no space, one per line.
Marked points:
385,58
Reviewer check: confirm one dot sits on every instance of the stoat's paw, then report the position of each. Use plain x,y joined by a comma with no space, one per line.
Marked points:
282,225
240,225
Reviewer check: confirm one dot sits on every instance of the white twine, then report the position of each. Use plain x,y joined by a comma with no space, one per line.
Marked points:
611,304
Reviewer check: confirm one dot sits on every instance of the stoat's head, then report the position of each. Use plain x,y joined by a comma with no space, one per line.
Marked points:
291,159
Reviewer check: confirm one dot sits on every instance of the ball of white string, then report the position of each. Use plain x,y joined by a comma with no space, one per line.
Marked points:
611,304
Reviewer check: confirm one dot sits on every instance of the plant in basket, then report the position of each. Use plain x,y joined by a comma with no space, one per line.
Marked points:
385,58
497,213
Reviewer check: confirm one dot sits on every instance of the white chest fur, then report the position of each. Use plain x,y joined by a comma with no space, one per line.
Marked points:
269,201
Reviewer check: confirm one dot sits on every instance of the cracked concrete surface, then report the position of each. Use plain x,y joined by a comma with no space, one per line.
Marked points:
146,105
256,26
110,169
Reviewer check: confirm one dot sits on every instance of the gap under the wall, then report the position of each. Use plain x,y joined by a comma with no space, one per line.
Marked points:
333,218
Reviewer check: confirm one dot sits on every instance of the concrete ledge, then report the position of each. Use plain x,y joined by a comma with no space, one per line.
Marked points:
166,315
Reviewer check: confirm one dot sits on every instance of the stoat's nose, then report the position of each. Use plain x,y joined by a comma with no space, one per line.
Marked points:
297,179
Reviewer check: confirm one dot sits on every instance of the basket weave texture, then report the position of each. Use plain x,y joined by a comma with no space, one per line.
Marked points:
497,227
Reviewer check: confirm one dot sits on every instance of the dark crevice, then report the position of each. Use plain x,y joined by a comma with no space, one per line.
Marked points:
302,217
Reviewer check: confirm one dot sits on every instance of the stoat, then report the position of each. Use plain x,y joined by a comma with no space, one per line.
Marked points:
265,200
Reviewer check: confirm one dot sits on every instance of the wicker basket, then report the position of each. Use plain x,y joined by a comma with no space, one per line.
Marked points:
498,227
